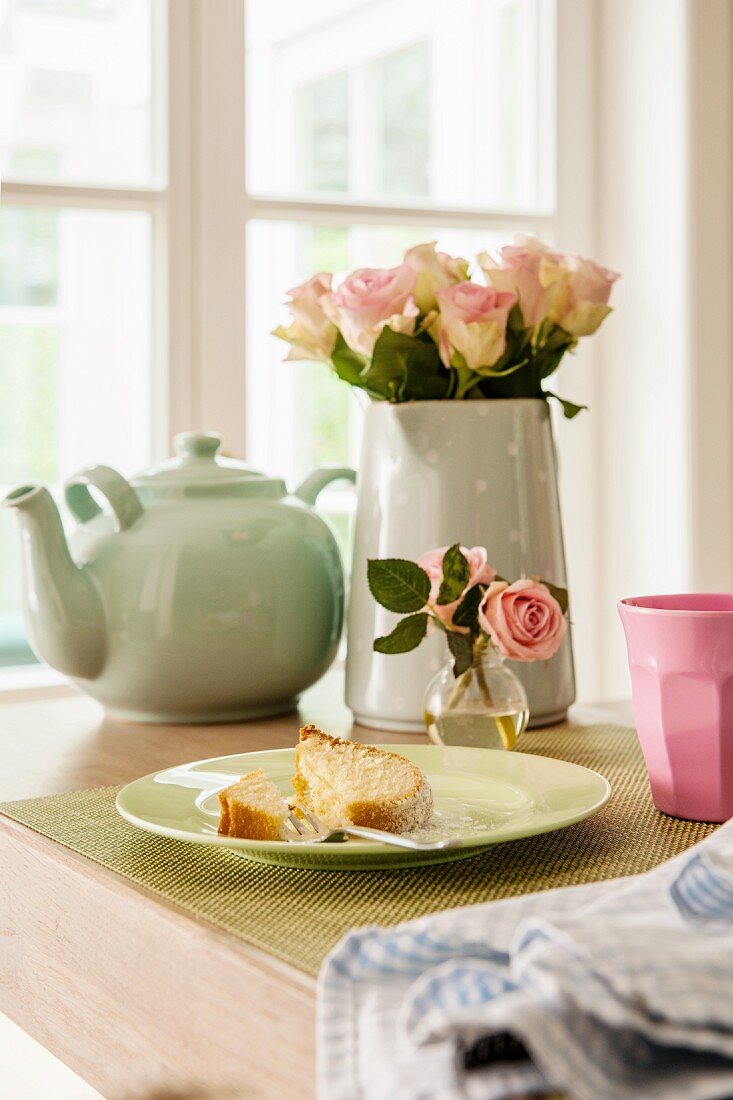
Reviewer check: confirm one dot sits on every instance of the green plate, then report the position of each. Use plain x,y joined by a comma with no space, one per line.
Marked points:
482,797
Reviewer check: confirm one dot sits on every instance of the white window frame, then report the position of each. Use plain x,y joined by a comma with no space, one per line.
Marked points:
199,209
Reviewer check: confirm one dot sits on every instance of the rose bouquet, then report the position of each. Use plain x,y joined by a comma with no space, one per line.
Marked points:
485,619
425,331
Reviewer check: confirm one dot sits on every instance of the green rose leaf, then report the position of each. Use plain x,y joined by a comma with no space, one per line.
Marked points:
569,408
520,383
406,368
524,381
466,614
348,364
548,360
385,374
556,337
426,379
560,594
455,575
515,321
547,354
398,584
406,635
461,647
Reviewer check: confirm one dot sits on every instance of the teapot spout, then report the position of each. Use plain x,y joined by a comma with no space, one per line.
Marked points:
63,609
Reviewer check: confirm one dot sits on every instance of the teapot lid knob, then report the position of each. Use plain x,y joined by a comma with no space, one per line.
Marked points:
197,444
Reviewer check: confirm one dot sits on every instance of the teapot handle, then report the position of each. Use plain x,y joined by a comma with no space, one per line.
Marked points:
122,498
316,481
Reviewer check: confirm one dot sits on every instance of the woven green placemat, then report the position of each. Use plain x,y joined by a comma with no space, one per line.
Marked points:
298,915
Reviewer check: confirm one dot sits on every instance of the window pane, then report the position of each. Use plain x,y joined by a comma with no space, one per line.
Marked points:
399,84
323,159
75,84
421,100
75,369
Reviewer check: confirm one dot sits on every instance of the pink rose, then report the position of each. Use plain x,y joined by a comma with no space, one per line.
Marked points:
524,620
371,298
311,334
473,321
584,303
532,271
479,572
435,270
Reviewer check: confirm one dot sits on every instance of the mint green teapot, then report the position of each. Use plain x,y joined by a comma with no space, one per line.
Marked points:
202,593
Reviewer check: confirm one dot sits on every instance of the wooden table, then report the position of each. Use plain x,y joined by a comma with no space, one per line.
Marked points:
137,997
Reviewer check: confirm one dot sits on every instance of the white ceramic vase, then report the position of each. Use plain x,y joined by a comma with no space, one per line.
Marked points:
482,473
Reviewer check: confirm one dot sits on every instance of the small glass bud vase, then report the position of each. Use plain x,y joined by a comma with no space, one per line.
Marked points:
485,707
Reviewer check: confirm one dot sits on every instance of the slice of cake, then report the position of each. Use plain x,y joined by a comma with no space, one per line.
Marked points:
343,782
253,808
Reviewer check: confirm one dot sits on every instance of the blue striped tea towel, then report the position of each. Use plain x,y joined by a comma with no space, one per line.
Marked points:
611,991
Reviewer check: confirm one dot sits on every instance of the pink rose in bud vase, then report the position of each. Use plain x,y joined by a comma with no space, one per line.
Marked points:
524,620
311,335
473,321
369,299
479,572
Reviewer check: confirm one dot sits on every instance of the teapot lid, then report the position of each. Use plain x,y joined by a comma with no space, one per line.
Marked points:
198,471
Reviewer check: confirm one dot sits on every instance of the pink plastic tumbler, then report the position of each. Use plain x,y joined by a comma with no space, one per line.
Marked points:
681,661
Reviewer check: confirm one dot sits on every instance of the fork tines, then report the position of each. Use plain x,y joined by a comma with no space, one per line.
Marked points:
316,831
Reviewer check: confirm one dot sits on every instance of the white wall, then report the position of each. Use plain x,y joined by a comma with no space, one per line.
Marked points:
710,290
664,392
579,443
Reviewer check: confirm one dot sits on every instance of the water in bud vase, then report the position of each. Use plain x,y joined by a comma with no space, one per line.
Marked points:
485,707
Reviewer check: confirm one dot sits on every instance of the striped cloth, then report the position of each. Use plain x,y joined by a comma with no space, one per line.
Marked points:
608,991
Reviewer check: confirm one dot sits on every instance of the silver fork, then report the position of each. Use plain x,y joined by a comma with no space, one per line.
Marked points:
313,831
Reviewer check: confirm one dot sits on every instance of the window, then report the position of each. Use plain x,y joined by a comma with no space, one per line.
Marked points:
170,168
76,267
